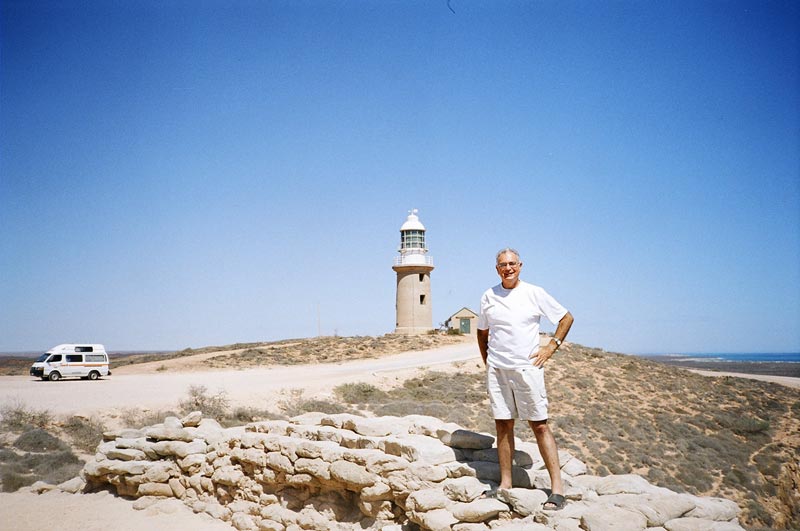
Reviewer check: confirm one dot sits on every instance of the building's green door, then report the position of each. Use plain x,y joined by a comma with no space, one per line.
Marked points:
464,326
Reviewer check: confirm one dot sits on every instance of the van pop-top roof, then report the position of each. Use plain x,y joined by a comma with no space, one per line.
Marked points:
77,347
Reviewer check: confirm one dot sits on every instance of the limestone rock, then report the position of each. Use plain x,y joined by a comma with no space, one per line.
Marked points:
227,475
478,510
717,509
523,459
154,489
426,472
315,467
216,510
419,448
270,525
604,517
376,492
427,500
624,483
464,489
467,439
243,522
700,524
437,520
126,433
574,467
191,420
657,509
125,454
281,463
40,487
73,486
523,501
178,490
335,471
172,423
351,474
374,427
165,433
179,448
471,527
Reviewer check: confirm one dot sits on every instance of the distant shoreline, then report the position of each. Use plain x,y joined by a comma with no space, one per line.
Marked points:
768,368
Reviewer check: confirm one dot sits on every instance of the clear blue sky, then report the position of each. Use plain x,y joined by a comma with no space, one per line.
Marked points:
180,174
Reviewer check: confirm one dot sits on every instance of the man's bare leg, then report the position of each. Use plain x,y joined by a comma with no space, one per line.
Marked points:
505,450
549,450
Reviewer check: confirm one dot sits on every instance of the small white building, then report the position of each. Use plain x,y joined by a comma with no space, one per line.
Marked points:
464,320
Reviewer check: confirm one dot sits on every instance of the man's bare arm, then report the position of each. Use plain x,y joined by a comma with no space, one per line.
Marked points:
483,344
544,353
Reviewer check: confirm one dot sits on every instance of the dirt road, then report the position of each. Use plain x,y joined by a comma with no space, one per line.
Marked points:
257,387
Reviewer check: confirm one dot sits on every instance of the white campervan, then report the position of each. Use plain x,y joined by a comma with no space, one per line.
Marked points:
72,361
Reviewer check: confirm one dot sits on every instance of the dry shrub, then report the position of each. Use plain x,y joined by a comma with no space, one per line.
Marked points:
213,406
85,434
139,418
359,393
19,417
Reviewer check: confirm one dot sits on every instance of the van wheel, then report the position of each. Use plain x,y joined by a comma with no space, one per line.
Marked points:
94,375
55,376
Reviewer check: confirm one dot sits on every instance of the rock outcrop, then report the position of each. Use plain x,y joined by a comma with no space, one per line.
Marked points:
343,472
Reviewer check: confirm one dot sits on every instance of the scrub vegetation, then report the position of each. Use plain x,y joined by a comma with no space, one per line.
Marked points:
724,436
35,446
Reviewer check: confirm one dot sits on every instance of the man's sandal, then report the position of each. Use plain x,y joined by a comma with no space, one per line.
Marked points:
555,502
489,494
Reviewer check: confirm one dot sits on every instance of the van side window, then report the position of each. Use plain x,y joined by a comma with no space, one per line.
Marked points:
96,358
74,358
55,358
84,349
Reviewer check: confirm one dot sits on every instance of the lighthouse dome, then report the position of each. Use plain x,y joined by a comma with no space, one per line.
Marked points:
412,222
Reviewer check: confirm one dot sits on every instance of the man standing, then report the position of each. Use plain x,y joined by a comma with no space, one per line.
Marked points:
508,338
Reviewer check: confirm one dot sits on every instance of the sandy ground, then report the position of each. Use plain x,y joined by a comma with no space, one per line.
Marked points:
101,511
259,387
140,387
788,381
143,388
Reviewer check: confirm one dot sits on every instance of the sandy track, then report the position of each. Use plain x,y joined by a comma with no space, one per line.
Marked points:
788,381
257,387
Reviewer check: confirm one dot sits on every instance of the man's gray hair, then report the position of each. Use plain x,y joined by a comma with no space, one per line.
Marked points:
507,250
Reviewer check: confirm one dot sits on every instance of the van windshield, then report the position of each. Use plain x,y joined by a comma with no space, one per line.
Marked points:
42,357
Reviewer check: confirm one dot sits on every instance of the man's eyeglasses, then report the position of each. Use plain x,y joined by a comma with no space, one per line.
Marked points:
503,265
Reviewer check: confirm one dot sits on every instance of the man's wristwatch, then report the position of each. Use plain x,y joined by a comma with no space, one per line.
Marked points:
558,342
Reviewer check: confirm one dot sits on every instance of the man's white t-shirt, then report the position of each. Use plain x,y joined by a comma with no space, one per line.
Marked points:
512,318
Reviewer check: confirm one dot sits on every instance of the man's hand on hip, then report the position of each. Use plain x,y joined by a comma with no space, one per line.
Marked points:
543,354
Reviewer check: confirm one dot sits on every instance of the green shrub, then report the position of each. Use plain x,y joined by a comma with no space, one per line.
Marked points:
324,406
52,467
13,481
243,415
359,393
38,440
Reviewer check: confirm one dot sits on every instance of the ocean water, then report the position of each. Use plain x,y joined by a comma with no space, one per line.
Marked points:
792,357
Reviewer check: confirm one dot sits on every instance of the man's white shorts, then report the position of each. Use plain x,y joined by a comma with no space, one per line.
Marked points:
517,393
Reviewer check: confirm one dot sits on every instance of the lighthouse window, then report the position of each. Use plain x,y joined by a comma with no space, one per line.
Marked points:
413,239
422,299
421,277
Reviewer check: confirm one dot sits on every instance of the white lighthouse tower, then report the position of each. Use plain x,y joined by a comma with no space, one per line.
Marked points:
413,268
